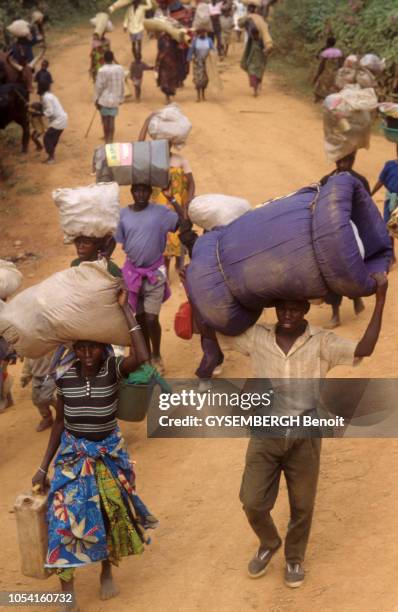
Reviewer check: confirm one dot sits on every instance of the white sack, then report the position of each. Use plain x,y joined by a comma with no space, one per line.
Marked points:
170,124
79,303
372,62
20,29
347,121
10,279
102,23
213,209
88,211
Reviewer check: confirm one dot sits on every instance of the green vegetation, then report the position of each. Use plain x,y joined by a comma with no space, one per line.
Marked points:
300,29
60,12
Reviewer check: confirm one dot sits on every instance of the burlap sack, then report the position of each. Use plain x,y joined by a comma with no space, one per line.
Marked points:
79,303
170,123
88,211
20,29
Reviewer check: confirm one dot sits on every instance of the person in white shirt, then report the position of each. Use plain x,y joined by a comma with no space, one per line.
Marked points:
109,90
134,24
58,121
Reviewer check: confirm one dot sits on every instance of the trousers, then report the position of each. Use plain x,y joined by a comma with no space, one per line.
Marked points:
266,459
212,357
50,140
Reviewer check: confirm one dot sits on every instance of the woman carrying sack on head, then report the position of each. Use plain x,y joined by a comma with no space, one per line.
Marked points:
182,188
331,60
258,46
93,511
99,45
168,62
198,54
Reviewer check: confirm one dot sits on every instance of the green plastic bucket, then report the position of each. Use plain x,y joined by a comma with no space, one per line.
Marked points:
390,133
133,401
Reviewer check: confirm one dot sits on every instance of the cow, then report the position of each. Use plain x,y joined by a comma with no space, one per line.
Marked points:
15,85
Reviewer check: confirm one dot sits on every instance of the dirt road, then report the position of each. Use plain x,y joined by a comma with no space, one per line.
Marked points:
257,148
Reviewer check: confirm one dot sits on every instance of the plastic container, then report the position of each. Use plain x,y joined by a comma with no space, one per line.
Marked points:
139,162
390,133
30,512
134,401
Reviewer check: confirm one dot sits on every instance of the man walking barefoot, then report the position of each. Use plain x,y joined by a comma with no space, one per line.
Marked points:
109,90
142,230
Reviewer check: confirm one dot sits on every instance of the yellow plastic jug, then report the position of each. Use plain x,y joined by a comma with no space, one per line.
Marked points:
30,511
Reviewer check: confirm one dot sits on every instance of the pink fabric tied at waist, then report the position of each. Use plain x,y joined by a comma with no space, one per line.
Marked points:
134,277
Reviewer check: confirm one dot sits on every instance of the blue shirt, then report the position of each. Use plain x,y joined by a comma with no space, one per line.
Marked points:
389,176
143,233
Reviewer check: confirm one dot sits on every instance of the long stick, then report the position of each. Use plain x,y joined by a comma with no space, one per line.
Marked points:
91,123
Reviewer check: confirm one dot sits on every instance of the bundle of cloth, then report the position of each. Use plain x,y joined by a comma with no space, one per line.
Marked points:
297,247
169,26
79,303
347,120
91,211
258,22
363,71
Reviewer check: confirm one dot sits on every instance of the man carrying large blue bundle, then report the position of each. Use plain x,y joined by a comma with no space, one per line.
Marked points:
292,349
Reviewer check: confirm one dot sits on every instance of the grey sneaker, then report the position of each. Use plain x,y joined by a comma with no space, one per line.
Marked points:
259,564
294,575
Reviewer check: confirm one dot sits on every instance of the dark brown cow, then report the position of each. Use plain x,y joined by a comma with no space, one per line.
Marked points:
15,86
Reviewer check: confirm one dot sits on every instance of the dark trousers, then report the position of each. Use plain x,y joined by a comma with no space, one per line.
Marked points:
333,299
266,459
212,357
50,140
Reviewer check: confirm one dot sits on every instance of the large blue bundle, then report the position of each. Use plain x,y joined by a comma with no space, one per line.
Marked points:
296,247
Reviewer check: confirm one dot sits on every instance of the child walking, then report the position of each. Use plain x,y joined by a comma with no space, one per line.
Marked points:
137,69
43,388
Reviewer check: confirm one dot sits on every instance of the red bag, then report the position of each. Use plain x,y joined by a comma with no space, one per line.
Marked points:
183,321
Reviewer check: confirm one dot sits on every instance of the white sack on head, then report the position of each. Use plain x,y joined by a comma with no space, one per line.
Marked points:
20,29
214,209
10,279
347,121
102,23
170,124
37,17
79,303
202,19
88,211
372,62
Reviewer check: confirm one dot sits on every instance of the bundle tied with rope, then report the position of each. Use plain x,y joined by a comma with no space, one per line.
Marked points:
297,247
